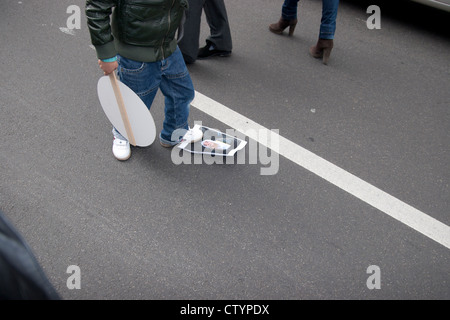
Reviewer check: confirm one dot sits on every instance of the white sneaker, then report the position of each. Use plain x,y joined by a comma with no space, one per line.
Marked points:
193,135
121,149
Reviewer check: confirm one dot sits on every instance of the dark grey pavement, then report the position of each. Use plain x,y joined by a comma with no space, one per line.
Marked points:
149,229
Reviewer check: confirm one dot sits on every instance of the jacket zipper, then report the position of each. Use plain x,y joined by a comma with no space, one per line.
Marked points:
169,20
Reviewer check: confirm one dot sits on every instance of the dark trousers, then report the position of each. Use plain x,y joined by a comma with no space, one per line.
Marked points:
217,19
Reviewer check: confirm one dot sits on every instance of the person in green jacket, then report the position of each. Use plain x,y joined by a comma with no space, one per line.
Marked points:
138,38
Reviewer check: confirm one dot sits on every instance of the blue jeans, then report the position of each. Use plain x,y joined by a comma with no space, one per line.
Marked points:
172,77
329,14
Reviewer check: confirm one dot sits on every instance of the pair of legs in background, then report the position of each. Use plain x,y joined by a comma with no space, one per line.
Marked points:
327,26
218,43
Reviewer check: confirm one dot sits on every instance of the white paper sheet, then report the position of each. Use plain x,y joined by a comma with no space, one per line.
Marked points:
214,142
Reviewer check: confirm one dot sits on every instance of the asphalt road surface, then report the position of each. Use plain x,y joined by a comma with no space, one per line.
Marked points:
376,117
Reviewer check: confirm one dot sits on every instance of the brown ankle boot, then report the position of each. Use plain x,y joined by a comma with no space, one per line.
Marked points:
322,49
282,24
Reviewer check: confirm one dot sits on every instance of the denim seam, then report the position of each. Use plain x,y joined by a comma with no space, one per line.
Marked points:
143,94
133,71
177,76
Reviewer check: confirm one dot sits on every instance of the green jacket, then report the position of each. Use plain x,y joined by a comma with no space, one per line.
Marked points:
141,30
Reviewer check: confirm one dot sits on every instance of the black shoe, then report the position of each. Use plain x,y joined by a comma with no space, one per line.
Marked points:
210,51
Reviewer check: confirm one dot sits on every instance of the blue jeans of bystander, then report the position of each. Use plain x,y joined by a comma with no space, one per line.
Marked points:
329,15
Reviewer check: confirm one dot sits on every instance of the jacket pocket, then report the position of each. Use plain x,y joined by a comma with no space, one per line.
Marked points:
144,11
143,23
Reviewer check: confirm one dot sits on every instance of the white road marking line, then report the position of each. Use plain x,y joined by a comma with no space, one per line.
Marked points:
366,192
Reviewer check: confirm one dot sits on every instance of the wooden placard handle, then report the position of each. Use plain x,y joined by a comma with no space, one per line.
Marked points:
123,111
